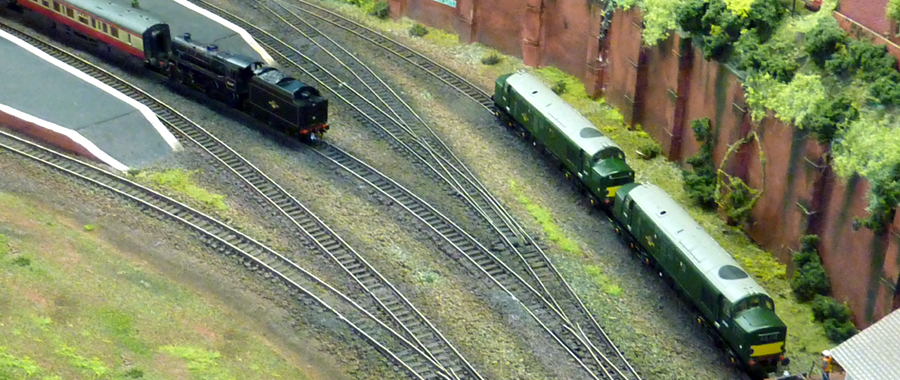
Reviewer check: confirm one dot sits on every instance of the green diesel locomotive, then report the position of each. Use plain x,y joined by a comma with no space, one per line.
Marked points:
662,233
596,160
666,237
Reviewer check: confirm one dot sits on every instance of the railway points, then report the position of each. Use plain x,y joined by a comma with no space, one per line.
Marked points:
58,104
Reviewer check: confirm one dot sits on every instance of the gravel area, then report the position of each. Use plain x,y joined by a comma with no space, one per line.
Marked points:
655,329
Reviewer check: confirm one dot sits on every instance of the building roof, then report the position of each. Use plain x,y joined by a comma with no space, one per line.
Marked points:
874,353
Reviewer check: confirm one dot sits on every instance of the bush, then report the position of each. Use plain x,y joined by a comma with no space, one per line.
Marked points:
648,149
22,261
886,89
885,196
418,30
690,16
700,184
778,57
380,9
738,203
825,39
838,332
809,243
871,61
810,280
825,308
491,59
559,87
828,116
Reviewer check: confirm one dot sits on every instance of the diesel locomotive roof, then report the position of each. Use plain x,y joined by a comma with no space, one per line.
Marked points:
578,128
704,252
135,20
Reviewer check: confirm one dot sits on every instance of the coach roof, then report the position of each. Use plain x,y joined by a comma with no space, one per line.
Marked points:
135,20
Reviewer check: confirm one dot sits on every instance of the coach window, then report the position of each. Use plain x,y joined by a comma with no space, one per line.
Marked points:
56,7
114,31
83,19
105,29
93,23
70,13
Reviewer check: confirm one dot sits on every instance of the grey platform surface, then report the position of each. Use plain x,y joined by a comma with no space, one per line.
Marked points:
55,95
203,29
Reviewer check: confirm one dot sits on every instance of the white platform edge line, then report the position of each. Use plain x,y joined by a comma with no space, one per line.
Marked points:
243,33
75,136
148,114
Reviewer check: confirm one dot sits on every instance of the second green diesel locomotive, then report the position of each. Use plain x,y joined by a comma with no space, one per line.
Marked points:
666,237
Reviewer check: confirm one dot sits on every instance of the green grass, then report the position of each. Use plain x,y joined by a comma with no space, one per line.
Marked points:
545,218
72,307
179,181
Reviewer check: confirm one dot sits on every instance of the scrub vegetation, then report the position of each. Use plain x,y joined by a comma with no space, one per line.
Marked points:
75,307
180,182
842,90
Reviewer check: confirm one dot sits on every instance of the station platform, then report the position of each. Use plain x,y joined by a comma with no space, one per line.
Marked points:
205,27
46,99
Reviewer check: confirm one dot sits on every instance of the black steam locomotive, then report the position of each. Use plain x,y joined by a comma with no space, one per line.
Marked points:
262,91
286,104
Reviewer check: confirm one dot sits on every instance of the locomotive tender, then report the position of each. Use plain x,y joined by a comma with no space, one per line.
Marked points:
662,233
286,104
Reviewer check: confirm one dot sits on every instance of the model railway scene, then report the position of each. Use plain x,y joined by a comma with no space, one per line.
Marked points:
298,189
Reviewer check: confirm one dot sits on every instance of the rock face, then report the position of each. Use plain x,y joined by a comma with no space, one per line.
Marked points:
664,88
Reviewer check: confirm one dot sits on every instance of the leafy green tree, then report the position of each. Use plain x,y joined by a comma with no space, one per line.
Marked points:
690,16
778,57
828,115
825,39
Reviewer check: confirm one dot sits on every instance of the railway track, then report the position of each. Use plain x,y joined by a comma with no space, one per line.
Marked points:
310,290
410,133
401,51
579,332
439,358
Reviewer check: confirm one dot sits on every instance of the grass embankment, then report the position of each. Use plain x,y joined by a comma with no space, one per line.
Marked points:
806,338
73,306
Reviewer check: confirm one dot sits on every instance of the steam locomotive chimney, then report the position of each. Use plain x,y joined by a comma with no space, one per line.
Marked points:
135,4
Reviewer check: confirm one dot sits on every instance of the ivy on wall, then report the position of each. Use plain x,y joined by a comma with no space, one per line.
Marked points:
893,10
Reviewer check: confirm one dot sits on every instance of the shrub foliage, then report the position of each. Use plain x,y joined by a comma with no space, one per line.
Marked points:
418,30
700,184
809,277
380,9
